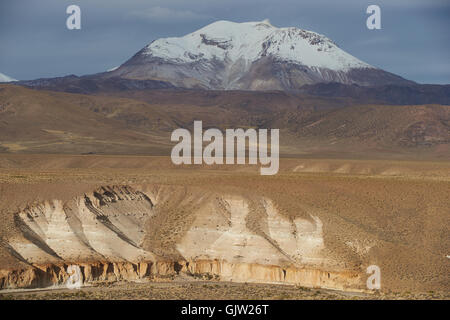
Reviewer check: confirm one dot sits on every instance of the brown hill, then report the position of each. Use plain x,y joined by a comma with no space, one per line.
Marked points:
140,122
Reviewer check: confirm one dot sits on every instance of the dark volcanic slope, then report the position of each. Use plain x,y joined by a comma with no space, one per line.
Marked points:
267,73
389,94
386,94
93,84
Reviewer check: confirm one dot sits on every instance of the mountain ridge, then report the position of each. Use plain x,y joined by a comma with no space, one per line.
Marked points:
141,121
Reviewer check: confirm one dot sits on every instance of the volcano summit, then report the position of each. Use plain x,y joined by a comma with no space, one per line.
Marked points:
250,56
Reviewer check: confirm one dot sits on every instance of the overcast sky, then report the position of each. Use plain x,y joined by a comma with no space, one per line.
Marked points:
414,41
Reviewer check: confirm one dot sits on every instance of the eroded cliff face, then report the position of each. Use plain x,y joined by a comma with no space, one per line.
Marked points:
109,235
104,225
220,231
58,275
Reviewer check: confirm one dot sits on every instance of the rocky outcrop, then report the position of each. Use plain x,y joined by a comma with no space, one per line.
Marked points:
103,235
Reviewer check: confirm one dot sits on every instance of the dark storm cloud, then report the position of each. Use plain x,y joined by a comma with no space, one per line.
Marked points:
414,41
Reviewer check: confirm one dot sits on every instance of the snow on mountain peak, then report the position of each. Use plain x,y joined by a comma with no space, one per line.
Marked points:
249,41
112,69
5,78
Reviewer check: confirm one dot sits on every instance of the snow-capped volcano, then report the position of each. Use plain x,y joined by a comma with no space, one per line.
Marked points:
5,78
250,41
250,55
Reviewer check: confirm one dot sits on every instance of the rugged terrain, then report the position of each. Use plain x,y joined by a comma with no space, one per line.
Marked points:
140,122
